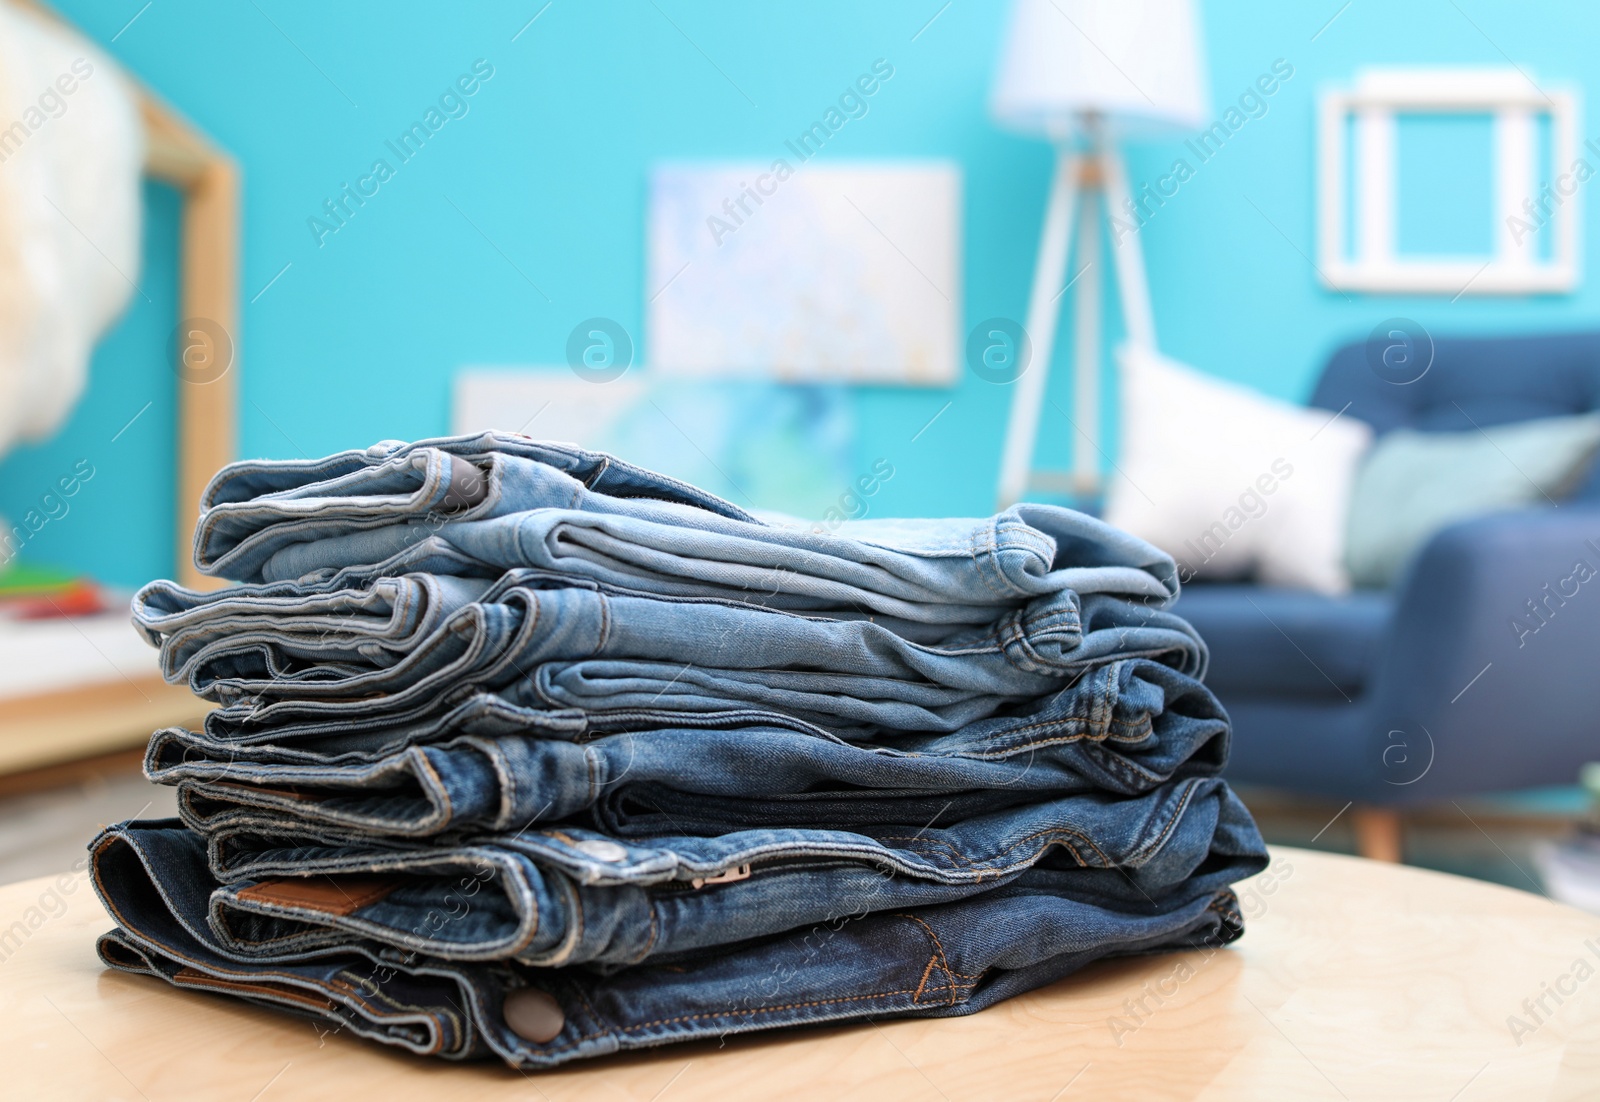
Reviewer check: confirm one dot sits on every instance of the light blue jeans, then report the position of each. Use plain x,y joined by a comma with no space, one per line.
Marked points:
574,647
393,510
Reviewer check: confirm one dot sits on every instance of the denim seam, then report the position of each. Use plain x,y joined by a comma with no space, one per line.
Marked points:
469,654
325,1004
377,993
1022,536
592,1014
562,953
254,981
122,922
982,557
1003,633
958,860
1016,635
993,862
655,931
492,493
490,749
1145,852
591,762
442,792
938,957
1084,729
1121,768
639,1027
768,1009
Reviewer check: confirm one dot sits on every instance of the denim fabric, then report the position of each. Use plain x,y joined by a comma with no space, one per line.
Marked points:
290,733
567,894
579,648
939,961
255,506
589,515
935,572
376,624
356,735
373,622
1121,728
499,714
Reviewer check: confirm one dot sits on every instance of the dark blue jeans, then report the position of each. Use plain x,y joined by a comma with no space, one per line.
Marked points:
933,961
567,894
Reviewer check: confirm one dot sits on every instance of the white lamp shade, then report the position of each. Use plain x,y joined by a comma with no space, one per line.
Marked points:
1134,63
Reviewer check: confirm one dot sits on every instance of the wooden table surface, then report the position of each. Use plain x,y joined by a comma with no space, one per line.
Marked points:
1353,980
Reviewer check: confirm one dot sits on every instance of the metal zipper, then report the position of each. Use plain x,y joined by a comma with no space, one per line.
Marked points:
726,876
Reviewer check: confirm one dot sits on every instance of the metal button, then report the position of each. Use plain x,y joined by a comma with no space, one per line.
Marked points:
533,1015
601,849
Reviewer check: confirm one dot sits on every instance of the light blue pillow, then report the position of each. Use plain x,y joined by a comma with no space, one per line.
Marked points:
1412,484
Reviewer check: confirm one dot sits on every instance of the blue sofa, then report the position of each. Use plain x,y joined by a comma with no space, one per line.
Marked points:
1480,671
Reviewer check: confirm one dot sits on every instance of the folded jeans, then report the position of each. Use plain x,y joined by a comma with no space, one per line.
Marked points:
575,647
1122,728
565,894
395,508
939,961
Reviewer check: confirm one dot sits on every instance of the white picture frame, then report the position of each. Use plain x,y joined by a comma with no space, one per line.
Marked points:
1372,262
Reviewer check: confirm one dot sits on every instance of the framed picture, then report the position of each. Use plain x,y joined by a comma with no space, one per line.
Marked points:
1535,171
797,272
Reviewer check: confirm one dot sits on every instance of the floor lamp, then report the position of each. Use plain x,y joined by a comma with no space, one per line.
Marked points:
1083,74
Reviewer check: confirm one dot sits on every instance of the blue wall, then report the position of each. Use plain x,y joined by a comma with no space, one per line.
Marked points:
359,338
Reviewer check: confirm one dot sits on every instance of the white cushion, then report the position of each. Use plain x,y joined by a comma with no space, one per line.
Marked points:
1229,482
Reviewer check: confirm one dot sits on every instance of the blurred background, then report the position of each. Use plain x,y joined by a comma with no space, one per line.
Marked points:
841,261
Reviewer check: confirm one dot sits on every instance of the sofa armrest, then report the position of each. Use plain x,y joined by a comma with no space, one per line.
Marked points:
1490,672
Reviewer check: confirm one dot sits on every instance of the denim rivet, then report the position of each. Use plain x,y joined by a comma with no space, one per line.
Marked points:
601,849
533,1015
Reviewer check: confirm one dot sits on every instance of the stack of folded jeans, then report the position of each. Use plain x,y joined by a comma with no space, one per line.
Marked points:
522,750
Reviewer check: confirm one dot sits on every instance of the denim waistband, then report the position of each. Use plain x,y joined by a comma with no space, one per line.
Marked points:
937,961
1122,728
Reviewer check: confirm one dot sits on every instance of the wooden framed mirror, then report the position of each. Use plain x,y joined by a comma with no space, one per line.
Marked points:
115,715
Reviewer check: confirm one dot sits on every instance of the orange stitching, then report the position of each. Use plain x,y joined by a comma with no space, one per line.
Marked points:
939,955
926,972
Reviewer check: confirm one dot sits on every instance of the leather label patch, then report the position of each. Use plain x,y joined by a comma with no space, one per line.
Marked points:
192,978
341,895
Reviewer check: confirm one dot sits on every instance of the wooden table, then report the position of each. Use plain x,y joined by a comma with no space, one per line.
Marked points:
1355,979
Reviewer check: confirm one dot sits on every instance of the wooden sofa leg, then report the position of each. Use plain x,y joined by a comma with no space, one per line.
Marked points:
1378,833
